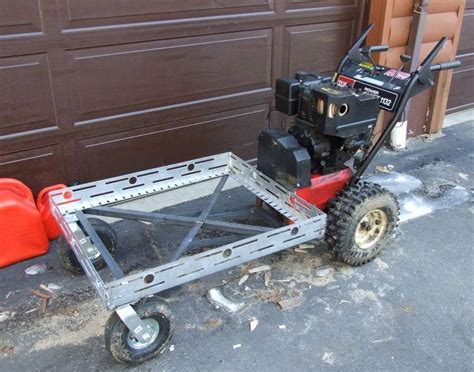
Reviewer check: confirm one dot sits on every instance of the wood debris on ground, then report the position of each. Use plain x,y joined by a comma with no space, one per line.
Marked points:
243,279
306,246
385,168
266,278
46,289
212,323
7,350
5,315
244,270
44,294
259,269
301,250
36,269
53,287
289,303
273,295
253,324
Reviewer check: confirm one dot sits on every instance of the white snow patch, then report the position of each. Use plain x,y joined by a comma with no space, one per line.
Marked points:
413,201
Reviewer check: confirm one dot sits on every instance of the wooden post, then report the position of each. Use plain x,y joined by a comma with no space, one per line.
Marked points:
380,16
415,40
439,98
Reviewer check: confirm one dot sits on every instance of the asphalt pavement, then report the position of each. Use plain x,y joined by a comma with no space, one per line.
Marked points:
411,309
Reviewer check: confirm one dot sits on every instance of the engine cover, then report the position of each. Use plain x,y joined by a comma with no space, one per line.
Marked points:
283,159
341,111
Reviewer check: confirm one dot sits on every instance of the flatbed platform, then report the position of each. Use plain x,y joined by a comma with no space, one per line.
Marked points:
104,198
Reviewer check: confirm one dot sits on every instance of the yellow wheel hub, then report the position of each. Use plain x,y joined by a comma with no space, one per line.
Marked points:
371,228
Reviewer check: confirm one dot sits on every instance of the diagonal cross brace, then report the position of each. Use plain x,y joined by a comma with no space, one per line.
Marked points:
183,247
109,260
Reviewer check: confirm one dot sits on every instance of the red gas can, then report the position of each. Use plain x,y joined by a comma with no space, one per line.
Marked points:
42,202
22,233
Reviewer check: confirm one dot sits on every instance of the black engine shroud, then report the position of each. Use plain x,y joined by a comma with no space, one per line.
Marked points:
332,123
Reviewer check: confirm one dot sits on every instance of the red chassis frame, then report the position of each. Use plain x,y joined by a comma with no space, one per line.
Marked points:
325,187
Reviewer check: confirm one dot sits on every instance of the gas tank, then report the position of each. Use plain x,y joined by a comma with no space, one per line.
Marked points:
22,233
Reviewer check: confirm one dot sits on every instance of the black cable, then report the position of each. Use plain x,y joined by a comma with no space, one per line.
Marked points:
269,120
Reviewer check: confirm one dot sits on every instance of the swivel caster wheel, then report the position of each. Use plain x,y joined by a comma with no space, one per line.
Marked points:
156,316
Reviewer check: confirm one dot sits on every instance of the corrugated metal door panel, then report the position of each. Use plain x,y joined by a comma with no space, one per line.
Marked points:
95,88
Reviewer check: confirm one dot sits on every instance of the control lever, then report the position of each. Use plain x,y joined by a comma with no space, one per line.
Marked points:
405,58
354,53
369,49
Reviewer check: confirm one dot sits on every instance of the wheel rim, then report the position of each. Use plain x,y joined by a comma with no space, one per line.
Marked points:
93,253
153,328
371,228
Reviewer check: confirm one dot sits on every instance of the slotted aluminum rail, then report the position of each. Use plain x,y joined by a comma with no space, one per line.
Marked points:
69,205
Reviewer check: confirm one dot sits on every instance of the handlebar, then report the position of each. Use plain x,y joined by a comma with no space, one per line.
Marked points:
354,53
375,49
445,66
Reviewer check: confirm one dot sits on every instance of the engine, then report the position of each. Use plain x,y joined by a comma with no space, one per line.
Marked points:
332,122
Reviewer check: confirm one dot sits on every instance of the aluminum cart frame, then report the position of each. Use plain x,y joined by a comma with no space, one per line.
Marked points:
70,205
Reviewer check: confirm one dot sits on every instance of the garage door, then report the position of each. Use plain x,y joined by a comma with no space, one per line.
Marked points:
461,96
95,88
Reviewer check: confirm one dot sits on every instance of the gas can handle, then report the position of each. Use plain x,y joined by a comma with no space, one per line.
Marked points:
41,200
17,187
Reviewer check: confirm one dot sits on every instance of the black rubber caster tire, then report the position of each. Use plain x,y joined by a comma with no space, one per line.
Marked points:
69,260
361,222
117,336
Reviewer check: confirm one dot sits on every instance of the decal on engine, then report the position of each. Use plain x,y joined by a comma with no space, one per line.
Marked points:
401,75
387,99
344,81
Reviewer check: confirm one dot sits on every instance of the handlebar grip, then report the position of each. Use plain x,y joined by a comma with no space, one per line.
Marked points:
379,48
445,66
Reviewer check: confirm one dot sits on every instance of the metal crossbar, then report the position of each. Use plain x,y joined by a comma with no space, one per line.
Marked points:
231,227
